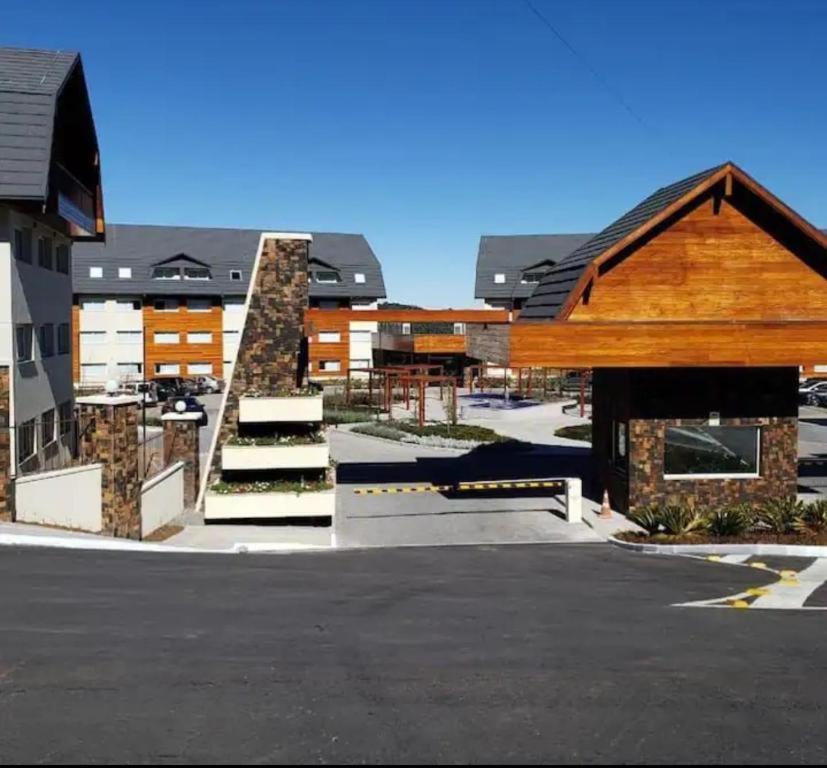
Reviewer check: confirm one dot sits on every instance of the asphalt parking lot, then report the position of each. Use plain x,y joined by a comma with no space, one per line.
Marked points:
520,654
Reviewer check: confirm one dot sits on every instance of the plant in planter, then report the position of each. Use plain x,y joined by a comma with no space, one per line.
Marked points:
780,516
647,517
681,520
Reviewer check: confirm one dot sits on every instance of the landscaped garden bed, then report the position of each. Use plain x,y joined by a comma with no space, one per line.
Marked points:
777,521
437,435
575,432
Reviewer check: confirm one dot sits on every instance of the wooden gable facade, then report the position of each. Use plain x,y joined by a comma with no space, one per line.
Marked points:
727,275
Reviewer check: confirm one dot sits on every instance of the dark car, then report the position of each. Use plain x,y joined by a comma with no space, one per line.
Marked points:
173,386
188,404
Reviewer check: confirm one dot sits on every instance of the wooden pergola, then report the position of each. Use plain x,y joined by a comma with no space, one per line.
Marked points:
422,382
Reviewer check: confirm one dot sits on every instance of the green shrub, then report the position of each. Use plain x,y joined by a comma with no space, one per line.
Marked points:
780,516
733,520
813,519
681,519
647,517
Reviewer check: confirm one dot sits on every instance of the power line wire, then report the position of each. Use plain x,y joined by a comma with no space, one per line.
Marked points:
613,92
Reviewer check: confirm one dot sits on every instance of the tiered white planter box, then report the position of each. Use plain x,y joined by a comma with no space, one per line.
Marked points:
280,409
227,506
258,457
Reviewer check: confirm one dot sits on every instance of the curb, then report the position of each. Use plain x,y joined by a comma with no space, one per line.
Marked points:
777,550
125,545
412,445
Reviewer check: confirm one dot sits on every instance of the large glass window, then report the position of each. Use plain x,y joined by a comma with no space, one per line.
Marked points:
197,273
23,245
25,440
25,334
166,273
727,451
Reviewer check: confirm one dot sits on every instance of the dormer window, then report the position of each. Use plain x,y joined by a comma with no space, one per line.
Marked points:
235,275
197,273
166,273
499,278
326,276
359,277
532,277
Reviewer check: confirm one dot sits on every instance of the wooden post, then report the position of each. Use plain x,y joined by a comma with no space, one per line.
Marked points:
545,383
421,403
454,403
370,388
407,387
347,388
519,381
528,388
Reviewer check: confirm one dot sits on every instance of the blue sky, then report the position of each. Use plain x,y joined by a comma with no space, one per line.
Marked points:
425,124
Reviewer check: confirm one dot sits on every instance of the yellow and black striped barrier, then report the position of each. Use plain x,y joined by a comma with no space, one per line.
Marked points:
467,487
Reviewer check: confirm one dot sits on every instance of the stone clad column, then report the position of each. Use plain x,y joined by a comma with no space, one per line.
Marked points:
109,435
181,436
6,457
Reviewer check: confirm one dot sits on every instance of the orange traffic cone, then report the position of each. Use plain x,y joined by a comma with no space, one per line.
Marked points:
605,507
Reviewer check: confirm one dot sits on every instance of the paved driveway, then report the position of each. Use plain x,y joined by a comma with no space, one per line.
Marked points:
406,519
569,654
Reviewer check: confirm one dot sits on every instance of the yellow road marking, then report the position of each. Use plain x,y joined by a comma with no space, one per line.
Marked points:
758,591
739,604
758,565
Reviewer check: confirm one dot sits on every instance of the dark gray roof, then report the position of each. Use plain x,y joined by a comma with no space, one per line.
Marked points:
553,290
142,246
511,255
30,82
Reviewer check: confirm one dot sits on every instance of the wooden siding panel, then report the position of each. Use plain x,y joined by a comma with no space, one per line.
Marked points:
182,321
326,321
452,344
568,344
708,267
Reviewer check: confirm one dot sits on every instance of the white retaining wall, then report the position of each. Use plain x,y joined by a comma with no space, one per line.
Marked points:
162,498
69,498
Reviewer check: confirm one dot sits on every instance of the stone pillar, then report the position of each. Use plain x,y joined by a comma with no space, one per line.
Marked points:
6,457
181,434
109,435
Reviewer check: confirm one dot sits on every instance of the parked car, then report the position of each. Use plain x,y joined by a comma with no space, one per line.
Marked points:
146,390
191,404
172,386
809,391
209,385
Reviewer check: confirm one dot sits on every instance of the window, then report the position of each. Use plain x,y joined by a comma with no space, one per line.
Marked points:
166,273
199,337
93,305
129,337
25,440
92,337
360,337
47,427
532,277
62,259
124,273
406,328
499,278
92,371
127,305
329,337
459,329
359,277
197,273
165,369
327,277
360,363
166,305
330,365
66,416
620,444
129,369
199,369
23,245
199,305
233,305
63,343
167,337
44,252
25,342
47,340
95,272
716,451
235,275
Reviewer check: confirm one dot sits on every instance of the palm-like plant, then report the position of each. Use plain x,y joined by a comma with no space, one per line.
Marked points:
781,515
647,517
813,519
733,520
681,519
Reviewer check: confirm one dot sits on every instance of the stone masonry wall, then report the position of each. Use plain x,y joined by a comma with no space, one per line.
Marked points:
270,357
6,458
109,434
181,444
778,465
